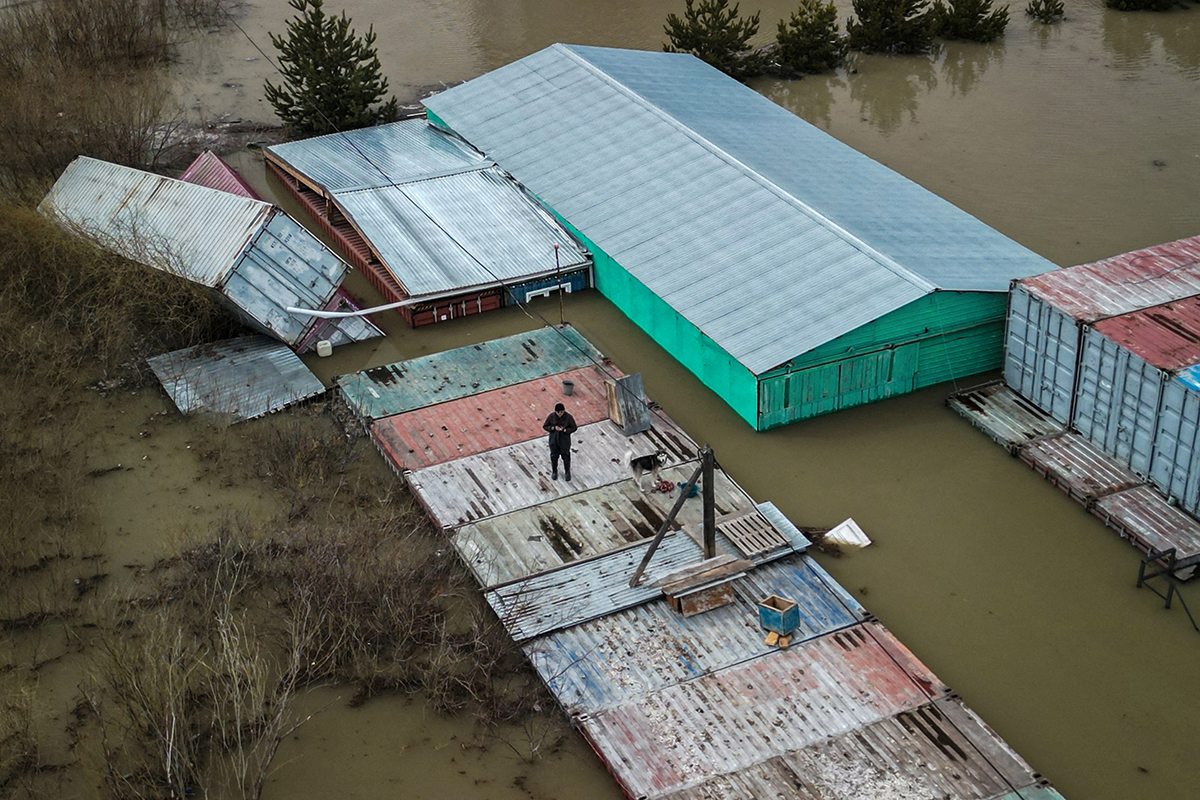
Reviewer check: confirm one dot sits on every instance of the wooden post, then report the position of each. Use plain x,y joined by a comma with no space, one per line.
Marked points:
710,519
662,530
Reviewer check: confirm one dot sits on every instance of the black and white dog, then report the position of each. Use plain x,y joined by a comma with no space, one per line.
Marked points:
641,465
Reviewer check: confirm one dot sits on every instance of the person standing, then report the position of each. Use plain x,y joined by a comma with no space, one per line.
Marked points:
560,425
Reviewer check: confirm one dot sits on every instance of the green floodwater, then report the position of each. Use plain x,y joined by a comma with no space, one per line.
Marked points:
1080,140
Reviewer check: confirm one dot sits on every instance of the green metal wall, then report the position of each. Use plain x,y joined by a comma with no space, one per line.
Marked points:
715,368
943,336
940,337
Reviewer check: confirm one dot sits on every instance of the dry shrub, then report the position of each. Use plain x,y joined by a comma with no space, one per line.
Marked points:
73,312
84,76
20,753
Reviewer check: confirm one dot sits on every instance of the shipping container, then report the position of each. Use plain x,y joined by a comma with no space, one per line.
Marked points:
1047,313
1116,405
1040,353
567,283
254,256
1175,467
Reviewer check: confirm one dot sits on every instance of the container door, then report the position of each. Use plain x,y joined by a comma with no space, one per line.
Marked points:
1117,401
1041,352
1174,468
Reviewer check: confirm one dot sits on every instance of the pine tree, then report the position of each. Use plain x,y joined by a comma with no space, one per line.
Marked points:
717,35
891,26
971,20
332,78
809,41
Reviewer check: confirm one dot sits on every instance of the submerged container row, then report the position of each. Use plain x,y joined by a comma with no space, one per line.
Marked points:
1111,351
678,702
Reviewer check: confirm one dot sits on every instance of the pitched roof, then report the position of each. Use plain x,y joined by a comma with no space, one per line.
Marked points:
767,234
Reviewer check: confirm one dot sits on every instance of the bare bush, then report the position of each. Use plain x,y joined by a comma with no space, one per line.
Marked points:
84,76
20,753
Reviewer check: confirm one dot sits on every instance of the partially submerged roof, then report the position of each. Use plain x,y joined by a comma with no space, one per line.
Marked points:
1166,336
191,231
210,170
767,234
1124,283
735,718
459,231
636,652
243,378
256,256
488,420
939,750
440,216
384,155
466,371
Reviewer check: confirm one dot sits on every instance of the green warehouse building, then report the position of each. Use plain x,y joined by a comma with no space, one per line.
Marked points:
790,273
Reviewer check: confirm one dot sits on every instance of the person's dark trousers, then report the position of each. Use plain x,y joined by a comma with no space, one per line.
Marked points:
566,460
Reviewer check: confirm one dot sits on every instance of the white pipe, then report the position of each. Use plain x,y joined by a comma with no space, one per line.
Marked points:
308,312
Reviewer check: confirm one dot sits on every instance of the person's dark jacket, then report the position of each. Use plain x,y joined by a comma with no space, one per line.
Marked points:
560,441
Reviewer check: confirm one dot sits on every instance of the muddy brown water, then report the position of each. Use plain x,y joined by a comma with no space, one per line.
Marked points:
1079,140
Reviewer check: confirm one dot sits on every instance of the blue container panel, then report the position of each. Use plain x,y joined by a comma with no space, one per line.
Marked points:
544,287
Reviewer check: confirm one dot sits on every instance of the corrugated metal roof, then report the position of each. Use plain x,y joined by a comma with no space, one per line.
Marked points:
597,586
546,536
245,378
257,256
210,170
1165,336
488,420
1076,466
767,234
518,476
181,228
394,153
459,231
464,371
284,266
939,750
588,589
1145,516
1128,282
1003,414
638,651
727,721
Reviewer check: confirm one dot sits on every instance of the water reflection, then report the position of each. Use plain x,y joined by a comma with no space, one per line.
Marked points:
810,98
1134,39
963,64
886,95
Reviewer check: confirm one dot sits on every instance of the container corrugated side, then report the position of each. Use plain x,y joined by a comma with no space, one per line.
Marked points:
1041,353
1175,468
1117,399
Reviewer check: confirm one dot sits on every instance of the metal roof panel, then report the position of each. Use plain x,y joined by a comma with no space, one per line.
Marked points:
245,378
724,722
379,156
187,230
1165,336
210,170
464,371
662,146
638,651
1124,283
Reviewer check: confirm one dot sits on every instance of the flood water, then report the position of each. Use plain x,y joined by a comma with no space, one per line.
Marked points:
1080,140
